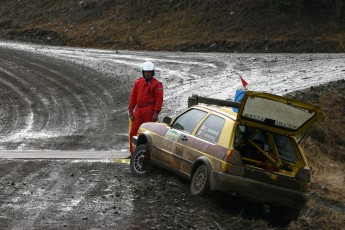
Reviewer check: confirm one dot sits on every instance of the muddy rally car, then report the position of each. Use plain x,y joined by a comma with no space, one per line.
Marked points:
253,152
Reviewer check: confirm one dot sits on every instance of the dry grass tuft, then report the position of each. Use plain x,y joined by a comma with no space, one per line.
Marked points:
324,149
322,217
328,176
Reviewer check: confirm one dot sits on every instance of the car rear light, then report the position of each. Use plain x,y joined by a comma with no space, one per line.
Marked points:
228,156
303,175
233,157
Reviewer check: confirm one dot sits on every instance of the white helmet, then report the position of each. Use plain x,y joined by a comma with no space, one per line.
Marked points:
148,66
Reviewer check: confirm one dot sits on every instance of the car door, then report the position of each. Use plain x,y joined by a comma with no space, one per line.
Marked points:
203,142
181,128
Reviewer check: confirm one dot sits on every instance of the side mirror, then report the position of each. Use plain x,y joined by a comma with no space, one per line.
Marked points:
167,120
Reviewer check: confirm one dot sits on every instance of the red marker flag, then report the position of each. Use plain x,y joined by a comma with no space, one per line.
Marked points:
244,83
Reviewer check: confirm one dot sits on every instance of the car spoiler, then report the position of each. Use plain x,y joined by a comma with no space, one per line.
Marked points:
195,99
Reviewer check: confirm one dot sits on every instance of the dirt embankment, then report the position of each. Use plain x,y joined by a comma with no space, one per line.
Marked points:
328,135
226,26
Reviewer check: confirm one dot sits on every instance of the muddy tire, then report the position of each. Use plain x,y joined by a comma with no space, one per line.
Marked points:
140,163
282,217
200,185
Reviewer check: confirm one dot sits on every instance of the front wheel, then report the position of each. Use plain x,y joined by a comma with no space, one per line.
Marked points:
200,185
140,163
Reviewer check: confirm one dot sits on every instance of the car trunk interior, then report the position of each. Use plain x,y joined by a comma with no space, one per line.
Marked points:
267,151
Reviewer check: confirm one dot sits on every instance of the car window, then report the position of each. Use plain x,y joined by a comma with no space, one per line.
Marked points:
285,148
244,133
189,120
211,128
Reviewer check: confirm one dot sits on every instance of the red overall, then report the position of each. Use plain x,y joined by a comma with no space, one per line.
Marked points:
146,99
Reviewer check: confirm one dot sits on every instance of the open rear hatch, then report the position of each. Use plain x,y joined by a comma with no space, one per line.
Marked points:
267,126
276,113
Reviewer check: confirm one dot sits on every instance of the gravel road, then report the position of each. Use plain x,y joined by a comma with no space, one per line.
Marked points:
60,98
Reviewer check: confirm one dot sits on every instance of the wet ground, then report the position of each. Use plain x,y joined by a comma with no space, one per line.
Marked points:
58,98
43,194
75,99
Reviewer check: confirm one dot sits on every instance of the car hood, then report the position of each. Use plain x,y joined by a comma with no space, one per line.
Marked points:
276,113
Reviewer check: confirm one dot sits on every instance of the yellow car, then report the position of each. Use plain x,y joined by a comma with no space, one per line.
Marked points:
253,153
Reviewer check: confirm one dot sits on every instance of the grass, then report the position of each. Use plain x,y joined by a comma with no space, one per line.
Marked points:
324,149
328,176
319,217
193,25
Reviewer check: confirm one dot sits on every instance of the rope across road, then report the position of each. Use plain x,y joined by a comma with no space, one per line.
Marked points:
53,154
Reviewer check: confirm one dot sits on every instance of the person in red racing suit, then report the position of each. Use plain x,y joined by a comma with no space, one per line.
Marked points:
146,100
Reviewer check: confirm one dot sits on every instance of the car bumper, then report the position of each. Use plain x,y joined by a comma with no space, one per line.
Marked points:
259,191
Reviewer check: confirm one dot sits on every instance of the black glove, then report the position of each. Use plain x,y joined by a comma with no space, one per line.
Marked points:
130,115
155,116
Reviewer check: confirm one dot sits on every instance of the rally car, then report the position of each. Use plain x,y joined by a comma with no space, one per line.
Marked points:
253,152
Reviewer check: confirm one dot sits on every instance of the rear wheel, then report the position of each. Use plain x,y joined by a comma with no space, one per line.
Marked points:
200,185
140,163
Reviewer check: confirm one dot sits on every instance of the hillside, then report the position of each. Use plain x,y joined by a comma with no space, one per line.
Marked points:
194,25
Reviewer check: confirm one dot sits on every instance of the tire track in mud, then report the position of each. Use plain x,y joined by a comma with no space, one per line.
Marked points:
69,108
100,111
15,120
38,101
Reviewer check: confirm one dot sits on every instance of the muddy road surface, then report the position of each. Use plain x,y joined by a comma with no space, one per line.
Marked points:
70,98
43,194
60,98
49,103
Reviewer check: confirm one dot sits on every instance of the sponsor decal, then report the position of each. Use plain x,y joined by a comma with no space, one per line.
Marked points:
172,135
276,123
254,117
208,133
286,125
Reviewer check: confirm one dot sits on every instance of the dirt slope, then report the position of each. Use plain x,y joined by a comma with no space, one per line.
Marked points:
194,25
